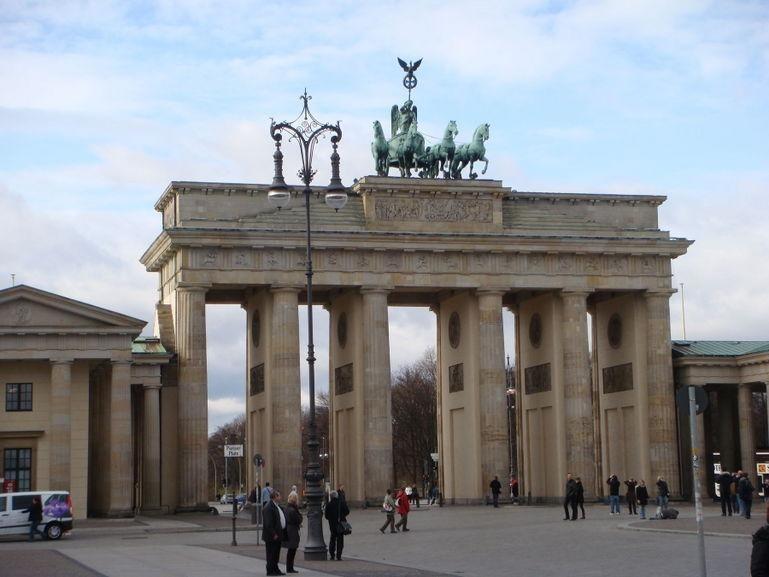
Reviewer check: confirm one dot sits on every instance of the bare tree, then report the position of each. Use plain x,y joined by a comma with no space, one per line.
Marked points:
414,414
235,433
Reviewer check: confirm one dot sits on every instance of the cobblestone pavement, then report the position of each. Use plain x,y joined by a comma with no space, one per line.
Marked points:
467,541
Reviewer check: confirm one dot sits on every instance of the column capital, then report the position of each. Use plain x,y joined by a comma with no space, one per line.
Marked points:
490,292
659,293
120,362
154,386
375,290
192,287
576,292
286,289
55,361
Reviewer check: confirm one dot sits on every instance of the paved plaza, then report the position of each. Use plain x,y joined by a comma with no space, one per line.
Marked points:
468,541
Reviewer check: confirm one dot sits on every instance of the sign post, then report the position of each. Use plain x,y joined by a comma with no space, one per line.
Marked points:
231,452
693,410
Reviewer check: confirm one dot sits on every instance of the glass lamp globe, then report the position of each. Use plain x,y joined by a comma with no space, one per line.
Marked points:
336,200
279,197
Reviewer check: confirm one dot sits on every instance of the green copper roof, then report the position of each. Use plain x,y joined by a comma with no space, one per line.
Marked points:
718,348
148,346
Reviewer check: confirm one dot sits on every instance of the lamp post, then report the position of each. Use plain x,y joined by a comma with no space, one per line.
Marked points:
306,130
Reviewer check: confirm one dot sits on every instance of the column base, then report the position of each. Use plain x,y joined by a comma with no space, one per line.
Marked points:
315,554
151,511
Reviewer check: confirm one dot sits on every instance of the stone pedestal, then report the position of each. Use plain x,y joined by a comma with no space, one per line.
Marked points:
577,390
120,444
747,438
285,390
495,453
151,449
61,424
662,413
193,397
377,419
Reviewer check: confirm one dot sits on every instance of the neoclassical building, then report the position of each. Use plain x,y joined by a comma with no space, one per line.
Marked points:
466,249
83,409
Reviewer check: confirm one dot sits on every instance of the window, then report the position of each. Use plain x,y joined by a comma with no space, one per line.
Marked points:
21,502
2,504
18,397
17,464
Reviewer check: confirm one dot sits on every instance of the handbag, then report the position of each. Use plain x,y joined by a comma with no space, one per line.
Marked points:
344,528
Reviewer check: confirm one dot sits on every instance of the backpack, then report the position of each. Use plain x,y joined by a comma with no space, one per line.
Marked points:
669,513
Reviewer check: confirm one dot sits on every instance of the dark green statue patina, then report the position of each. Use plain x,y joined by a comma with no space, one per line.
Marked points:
406,148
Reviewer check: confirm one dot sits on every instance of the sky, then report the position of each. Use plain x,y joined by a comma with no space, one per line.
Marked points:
103,103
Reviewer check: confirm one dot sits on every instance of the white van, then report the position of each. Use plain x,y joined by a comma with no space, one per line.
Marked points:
57,513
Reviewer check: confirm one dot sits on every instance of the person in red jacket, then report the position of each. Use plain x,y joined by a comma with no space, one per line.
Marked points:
403,508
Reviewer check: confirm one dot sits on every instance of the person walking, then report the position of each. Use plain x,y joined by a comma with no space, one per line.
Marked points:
293,491
336,513
35,517
293,524
765,489
496,489
631,485
579,498
724,481
415,494
613,482
642,495
570,498
273,527
745,493
663,495
402,505
388,507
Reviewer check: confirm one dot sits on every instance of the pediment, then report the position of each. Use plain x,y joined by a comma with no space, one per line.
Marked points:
26,309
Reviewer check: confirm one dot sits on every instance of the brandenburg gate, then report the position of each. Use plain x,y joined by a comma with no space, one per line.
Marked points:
595,397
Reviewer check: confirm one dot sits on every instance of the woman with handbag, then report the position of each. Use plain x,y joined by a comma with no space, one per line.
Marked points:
388,508
293,524
336,515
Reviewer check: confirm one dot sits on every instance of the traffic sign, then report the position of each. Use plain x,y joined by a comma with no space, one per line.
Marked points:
258,460
233,451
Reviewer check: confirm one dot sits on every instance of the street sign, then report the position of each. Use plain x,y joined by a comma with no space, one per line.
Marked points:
258,460
701,397
233,451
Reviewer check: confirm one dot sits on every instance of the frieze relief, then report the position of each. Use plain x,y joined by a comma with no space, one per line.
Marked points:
426,262
434,209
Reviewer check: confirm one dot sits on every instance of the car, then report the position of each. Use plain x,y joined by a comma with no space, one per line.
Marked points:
57,513
226,499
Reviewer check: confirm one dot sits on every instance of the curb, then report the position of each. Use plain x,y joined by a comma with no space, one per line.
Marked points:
629,527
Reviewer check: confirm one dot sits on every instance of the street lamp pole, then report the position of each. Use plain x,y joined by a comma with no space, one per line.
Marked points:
306,130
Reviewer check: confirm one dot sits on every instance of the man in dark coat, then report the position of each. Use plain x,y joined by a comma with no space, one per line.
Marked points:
613,483
35,517
570,498
496,489
724,485
745,493
759,556
273,528
579,499
336,512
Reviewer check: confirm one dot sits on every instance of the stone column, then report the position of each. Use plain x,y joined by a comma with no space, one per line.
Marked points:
61,424
377,414
285,390
436,308
495,450
727,444
747,438
120,444
578,390
151,449
663,455
193,397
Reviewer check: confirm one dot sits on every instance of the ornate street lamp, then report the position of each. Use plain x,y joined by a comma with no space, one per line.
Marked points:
306,130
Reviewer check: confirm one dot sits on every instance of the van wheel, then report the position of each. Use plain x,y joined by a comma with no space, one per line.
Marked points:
53,531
